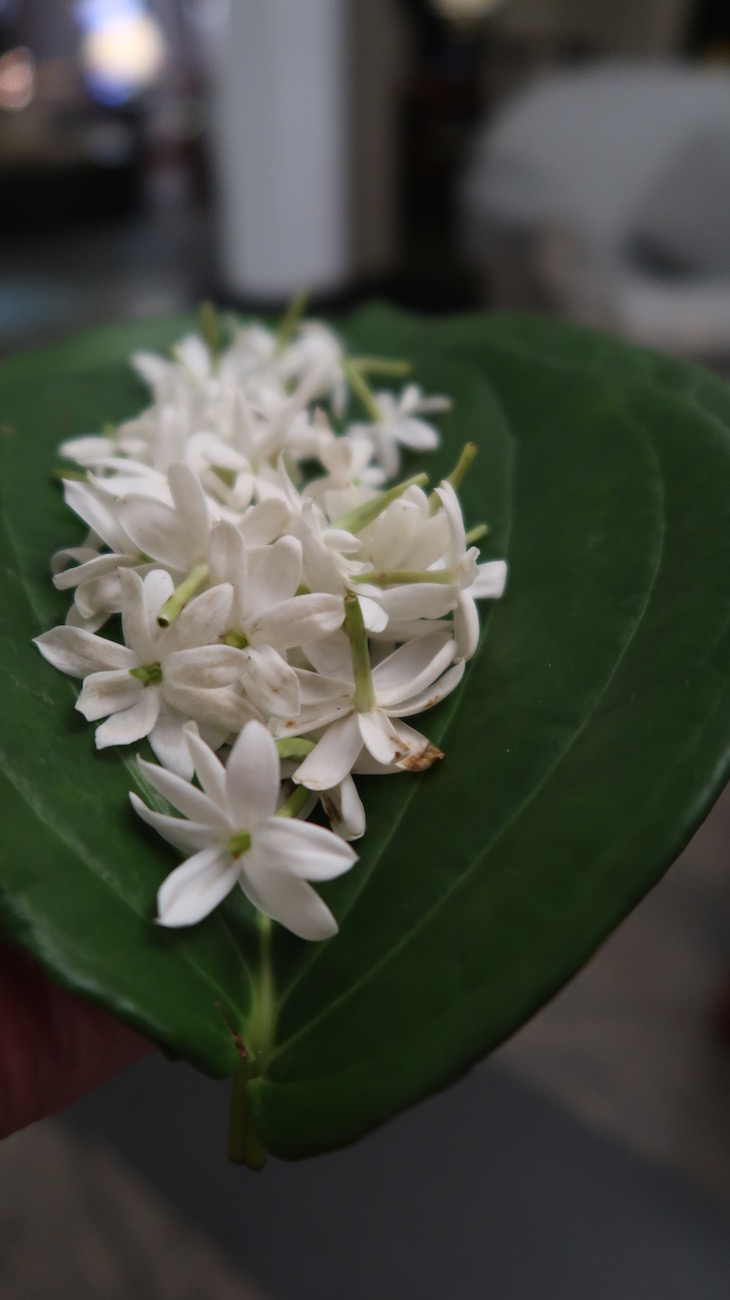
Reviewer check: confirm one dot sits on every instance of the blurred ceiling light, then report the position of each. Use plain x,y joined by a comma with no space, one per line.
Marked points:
123,49
465,10
17,79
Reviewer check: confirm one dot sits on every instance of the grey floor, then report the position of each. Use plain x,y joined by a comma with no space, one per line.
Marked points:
589,1158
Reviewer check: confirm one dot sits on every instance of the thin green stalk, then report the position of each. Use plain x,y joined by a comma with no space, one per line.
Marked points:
182,594
457,475
360,651
360,516
476,534
244,1144
404,577
395,369
211,330
290,319
362,390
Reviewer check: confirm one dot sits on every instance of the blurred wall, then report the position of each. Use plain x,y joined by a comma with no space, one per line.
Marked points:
621,26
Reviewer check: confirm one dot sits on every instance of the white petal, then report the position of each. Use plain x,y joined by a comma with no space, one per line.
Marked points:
157,530
379,737
286,899
178,831
186,797
374,616
105,693
135,620
194,889
301,849
209,770
190,503
270,682
333,756
419,600
201,621
78,653
167,740
490,580
131,724
253,776
466,626
412,667
295,621
221,707
264,522
204,667
101,515
95,566
417,435
227,555
345,810
274,576
432,695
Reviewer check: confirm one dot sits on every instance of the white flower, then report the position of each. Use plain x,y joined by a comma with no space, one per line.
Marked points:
158,680
267,617
475,582
236,838
317,350
361,708
399,427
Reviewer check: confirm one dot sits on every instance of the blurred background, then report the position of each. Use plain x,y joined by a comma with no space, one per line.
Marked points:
565,156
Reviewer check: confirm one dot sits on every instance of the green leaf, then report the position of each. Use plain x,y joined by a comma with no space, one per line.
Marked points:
589,738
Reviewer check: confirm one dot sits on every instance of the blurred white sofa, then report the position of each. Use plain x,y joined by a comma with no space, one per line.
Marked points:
604,193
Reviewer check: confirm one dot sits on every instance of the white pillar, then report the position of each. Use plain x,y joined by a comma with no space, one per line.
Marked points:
281,134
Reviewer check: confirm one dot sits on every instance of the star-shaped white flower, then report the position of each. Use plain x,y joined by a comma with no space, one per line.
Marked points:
158,680
399,425
235,837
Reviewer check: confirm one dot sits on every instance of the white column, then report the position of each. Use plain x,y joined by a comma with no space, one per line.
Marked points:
281,134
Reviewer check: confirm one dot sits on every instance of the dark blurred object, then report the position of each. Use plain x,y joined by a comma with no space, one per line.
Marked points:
709,29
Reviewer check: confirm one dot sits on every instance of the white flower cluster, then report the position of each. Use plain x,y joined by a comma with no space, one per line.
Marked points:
298,621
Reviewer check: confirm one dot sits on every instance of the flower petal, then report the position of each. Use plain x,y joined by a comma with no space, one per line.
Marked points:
270,682
333,756
274,575
302,849
186,797
380,737
432,695
167,740
490,581
412,667
78,653
200,622
345,810
253,776
178,831
196,887
106,693
208,768
287,899
298,620
205,667
131,724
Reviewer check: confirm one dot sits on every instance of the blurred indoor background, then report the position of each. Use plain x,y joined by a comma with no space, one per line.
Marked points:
567,156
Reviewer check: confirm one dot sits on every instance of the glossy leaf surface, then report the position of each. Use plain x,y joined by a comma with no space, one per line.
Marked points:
589,737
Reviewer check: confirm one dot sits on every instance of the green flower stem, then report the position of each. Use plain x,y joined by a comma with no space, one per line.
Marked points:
403,577
362,390
458,473
61,473
244,1145
476,534
394,369
359,649
182,594
359,517
211,331
295,802
290,319
295,748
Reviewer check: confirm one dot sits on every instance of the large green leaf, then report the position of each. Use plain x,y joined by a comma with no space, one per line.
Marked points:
589,738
